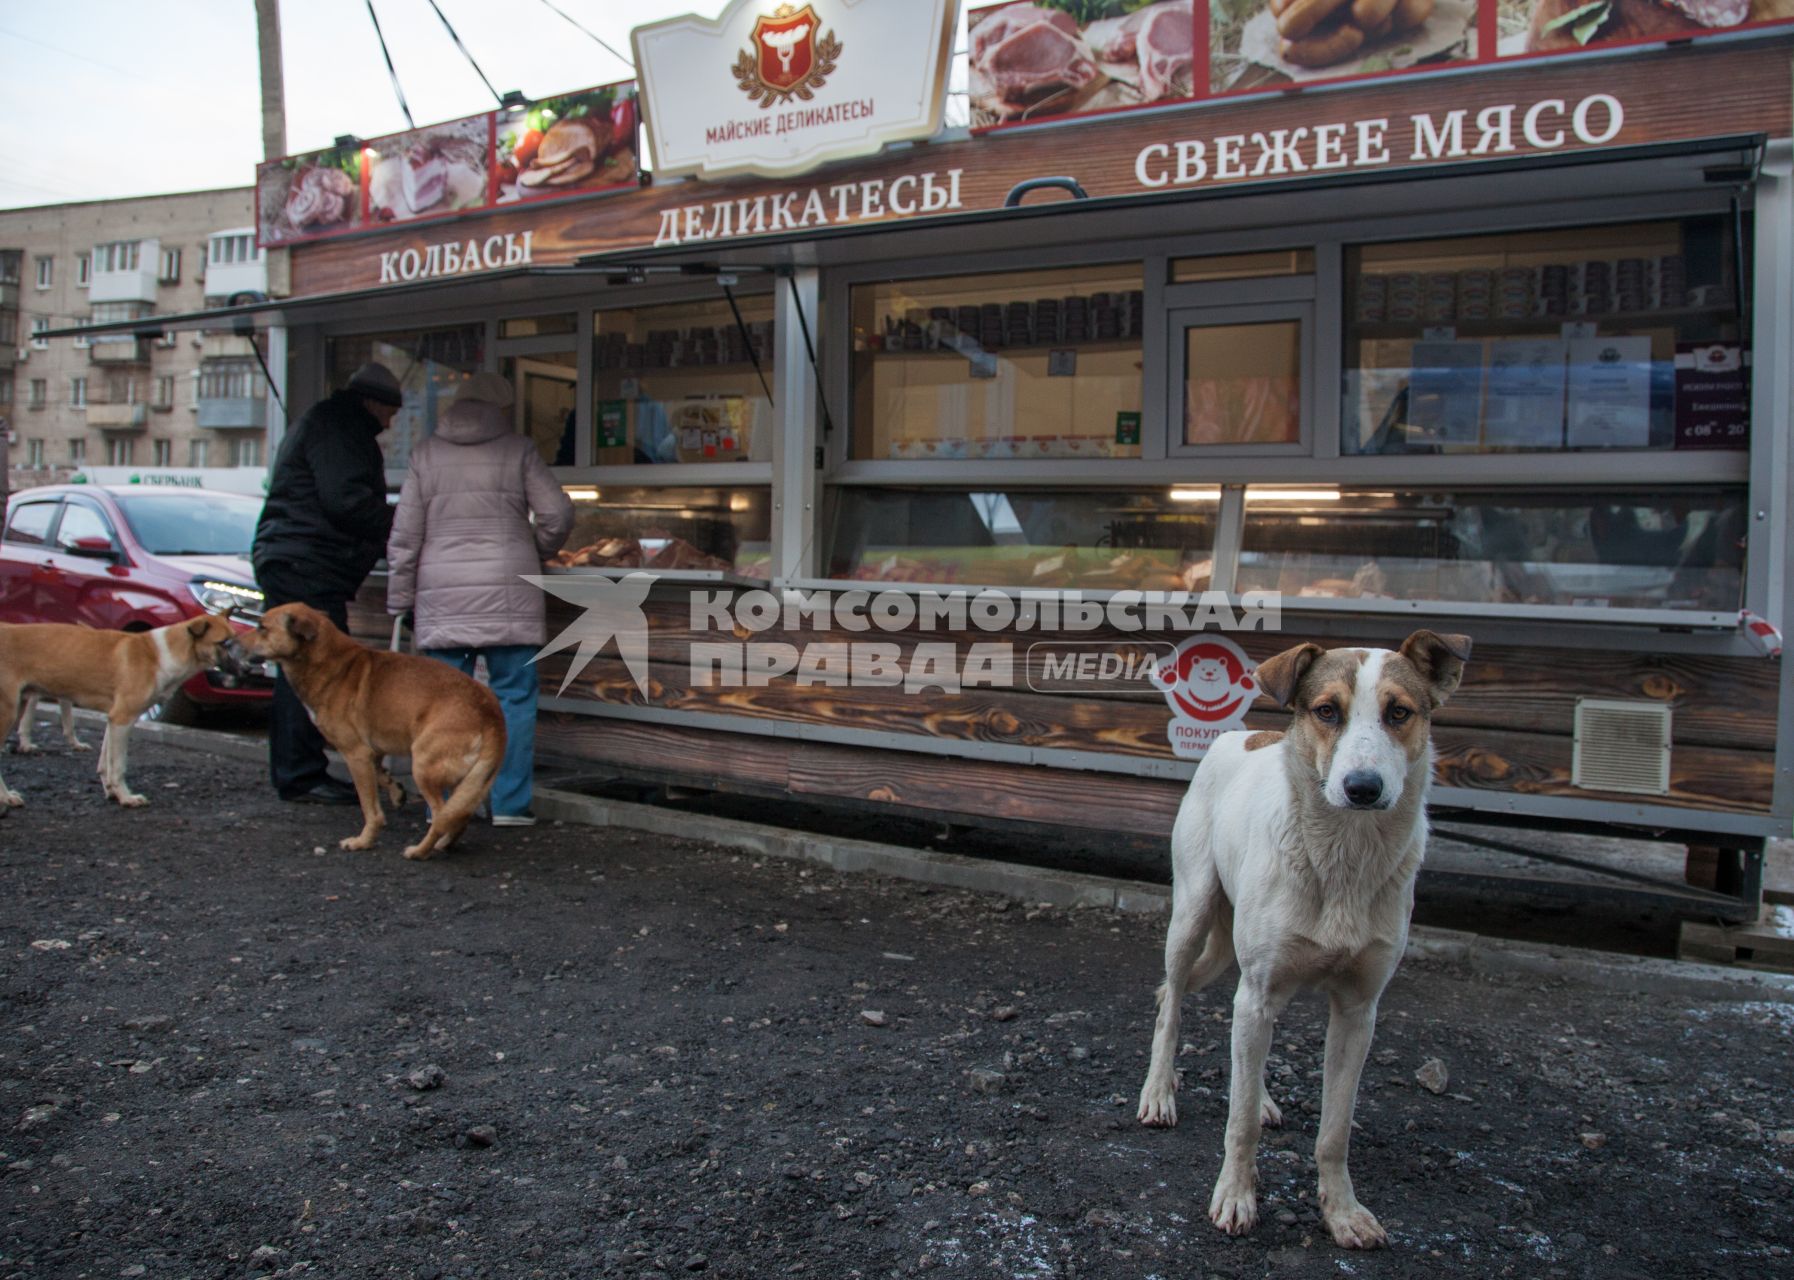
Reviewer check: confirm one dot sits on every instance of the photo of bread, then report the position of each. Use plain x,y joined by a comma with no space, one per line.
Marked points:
1261,44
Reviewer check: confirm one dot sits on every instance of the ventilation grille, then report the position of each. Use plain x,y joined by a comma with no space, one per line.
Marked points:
1621,746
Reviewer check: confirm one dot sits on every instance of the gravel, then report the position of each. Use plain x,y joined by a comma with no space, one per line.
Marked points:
645,1057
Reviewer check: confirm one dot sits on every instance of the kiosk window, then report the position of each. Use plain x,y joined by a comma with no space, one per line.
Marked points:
670,529
1615,337
546,390
1656,549
1155,540
683,383
430,364
1027,364
1243,383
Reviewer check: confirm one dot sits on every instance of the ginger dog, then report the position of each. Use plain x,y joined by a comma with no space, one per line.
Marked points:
370,704
123,673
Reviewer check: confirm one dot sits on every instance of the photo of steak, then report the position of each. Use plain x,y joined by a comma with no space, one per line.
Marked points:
1030,59
1165,45
1006,22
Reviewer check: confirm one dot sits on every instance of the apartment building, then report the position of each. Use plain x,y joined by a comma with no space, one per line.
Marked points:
184,400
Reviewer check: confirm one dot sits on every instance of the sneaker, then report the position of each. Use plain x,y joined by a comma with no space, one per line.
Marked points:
329,791
513,819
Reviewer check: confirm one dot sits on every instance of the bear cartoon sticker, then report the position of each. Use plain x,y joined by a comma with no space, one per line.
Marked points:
1209,685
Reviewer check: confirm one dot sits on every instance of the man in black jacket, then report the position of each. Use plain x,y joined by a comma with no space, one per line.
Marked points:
322,529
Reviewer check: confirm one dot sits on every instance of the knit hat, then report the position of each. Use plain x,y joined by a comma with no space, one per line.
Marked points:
375,381
489,388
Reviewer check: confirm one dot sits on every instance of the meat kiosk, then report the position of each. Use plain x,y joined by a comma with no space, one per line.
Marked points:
1452,333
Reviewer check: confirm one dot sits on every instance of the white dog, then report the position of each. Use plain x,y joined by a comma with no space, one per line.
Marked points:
1295,854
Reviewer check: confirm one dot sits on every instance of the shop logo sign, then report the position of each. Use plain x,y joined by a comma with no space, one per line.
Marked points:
1209,684
790,56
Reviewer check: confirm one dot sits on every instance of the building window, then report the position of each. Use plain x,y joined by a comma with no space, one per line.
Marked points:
34,455
9,328
9,265
78,393
196,452
164,392
170,272
164,453
119,450
83,269
5,390
46,271
77,452
231,380
111,312
39,324
40,393
232,248
120,255
246,452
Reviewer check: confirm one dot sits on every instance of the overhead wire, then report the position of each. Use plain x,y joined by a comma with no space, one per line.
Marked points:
628,62
390,69
449,27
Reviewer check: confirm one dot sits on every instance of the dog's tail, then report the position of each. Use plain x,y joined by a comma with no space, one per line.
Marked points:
448,821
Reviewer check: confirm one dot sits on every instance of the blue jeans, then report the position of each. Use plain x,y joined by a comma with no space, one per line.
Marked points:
515,682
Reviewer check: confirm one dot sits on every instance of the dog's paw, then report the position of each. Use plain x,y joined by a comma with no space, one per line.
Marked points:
131,800
1356,1227
78,745
418,853
355,844
24,748
1158,1106
11,799
1269,1114
1234,1206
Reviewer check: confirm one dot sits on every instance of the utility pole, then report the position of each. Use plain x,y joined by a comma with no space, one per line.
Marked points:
274,145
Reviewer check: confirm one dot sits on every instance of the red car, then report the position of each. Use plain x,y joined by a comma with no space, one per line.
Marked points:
132,559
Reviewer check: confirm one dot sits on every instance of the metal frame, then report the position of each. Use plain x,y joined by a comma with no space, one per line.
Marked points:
1179,320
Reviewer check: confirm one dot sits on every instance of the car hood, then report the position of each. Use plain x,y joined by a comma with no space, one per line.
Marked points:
235,569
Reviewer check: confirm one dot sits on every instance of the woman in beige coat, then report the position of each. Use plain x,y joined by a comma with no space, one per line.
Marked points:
461,544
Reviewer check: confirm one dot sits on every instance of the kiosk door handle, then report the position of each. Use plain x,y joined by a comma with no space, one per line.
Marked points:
1021,189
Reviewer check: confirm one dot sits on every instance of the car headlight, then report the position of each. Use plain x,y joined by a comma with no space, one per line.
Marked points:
227,597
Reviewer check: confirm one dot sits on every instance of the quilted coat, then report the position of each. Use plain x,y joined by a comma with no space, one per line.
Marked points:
462,538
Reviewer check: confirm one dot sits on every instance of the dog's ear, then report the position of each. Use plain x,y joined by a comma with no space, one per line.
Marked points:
1440,661
302,627
199,626
1279,676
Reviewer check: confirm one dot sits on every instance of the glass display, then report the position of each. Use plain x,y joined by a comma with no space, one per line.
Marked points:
546,388
1679,548
430,364
1621,337
1243,383
1028,364
1155,540
679,383
670,529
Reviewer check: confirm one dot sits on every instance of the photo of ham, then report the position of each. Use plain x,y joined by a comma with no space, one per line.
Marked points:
1565,26
1030,61
579,142
430,171
301,197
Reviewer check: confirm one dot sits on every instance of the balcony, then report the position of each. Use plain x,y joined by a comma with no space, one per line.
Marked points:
9,355
113,350
225,346
234,413
117,417
9,295
225,281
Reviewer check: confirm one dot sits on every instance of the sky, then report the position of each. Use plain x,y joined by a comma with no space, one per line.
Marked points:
104,98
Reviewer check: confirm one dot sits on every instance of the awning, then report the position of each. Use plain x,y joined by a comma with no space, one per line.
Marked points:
1730,164
322,307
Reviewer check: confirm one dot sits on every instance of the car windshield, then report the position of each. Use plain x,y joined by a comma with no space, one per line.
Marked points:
192,524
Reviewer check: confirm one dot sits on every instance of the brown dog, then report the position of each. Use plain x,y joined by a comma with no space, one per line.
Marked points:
369,704
123,673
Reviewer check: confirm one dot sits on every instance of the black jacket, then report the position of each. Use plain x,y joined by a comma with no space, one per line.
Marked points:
326,517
